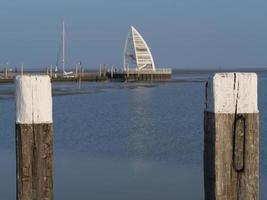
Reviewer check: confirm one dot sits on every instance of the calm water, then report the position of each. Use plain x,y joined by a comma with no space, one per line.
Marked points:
122,141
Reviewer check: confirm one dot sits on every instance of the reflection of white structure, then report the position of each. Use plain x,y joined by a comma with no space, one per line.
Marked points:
137,53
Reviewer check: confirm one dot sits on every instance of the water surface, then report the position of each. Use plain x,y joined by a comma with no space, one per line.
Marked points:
122,141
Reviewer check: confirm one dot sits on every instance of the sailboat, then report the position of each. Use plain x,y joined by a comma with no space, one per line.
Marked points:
65,73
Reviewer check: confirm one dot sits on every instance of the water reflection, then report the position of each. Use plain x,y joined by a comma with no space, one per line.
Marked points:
141,137
120,179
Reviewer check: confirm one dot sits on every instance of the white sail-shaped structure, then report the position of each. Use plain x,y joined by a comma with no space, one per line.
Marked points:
137,54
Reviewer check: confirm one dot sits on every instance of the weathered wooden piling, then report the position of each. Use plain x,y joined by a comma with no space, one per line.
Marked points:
34,138
231,149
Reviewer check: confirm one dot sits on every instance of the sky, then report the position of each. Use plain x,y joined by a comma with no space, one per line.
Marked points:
183,34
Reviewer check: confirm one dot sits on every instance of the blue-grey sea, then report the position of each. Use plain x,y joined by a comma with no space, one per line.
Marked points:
118,141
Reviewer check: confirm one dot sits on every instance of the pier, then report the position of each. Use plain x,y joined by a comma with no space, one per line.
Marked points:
140,75
106,74
83,75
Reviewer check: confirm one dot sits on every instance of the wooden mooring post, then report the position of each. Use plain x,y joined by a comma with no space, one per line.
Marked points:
34,138
100,71
231,149
51,71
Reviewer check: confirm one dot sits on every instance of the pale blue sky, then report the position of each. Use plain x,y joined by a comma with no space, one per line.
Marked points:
181,33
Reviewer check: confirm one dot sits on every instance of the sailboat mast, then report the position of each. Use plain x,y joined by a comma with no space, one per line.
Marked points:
63,47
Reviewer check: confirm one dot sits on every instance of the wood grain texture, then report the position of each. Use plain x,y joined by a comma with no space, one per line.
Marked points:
34,149
231,156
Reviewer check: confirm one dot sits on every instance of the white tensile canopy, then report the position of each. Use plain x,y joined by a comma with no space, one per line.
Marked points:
137,53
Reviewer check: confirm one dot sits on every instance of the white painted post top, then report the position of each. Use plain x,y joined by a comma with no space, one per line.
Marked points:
33,99
232,93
